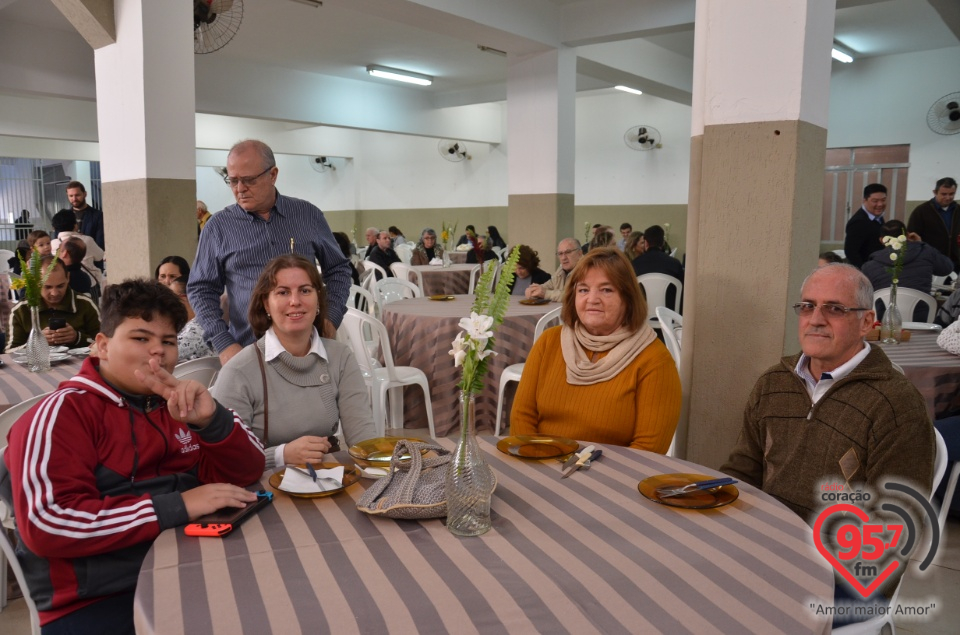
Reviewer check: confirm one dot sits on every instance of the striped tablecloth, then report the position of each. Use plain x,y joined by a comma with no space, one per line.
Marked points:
457,257
421,332
934,371
587,554
452,280
19,384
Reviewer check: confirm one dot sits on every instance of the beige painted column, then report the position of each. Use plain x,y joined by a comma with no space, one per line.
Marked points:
541,93
145,116
761,86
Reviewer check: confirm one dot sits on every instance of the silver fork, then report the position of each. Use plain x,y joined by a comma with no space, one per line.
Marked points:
325,479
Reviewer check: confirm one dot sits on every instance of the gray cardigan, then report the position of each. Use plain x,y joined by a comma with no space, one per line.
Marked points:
297,410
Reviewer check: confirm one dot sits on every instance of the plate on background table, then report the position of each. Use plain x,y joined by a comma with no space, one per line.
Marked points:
58,349
79,352
535,301
54,358
377,452
349,478
699,499
537,446
442,298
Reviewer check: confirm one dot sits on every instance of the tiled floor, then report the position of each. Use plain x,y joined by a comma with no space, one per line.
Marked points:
940,584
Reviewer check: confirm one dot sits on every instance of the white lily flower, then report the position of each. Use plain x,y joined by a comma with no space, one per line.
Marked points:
485,354
477,326
459,350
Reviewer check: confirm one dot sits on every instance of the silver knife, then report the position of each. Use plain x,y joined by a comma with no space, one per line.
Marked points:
576,461
667,491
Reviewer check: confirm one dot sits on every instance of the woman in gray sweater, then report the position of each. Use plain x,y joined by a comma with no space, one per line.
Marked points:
292,387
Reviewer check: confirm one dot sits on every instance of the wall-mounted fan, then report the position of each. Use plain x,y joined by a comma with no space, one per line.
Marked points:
215,22
642,138
322,164
944,115
223,174
455,151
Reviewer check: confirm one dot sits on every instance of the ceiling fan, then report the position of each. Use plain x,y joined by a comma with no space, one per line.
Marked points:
215,22
642,138
454,151
944,115
322,164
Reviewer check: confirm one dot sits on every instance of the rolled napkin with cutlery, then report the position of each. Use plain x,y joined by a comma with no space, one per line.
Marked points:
669,491
297,480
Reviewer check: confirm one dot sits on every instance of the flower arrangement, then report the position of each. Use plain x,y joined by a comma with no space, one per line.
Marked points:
447,232
899,246
666,232
587,235
474,345
32,277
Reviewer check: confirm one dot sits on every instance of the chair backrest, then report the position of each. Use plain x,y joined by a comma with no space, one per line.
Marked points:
7,548
203,370
551,316
362,299
948,279
670,321
475,275
403,272
404,252
356,322
9,416
372,267
907,300
392,289
655,286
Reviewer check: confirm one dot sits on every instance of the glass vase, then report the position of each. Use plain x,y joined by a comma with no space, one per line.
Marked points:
446,258
469,479
37,350
891,326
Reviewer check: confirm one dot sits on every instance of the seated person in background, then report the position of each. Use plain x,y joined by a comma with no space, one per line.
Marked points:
65,226
344,242
40,241
633,246
312,384
568,251
528,271
829,258
655,260
602,376
190,341
23,249
396,235
171,268
427,249
57,300
626,229
602,237
469,234
383,254
496,240
371,235
71,254
119,455
920,262
488,254
838,412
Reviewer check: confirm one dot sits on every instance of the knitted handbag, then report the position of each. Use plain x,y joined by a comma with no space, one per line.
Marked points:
415,488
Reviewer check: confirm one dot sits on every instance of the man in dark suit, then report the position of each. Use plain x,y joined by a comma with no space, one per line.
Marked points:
864,228
655,260
89,218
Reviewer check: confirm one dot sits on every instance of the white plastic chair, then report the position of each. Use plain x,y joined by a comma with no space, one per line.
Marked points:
392,289
947,280
875,625
367,277
655,285
362,300
670,321
475,275
203,370
514,371
403,272
389,377
907,300
404,252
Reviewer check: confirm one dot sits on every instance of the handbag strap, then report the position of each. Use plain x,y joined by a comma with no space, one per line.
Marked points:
266,397
408,472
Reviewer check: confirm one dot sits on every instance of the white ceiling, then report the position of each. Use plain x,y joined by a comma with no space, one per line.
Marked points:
343,36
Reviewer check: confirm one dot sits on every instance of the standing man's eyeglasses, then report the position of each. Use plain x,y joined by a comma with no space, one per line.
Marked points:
235,181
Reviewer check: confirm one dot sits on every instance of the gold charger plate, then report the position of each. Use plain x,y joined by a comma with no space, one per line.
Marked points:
442,298
350,477
701,499
537,446
535,301
378,451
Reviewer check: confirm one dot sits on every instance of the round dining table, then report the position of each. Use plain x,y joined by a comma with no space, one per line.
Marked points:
421,332
18,384
585,554
934,371
439,280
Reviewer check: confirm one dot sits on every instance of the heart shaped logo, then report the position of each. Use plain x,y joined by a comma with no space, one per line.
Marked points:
865,591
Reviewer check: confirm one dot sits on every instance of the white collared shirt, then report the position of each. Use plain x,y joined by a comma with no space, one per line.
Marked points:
272,348
817,388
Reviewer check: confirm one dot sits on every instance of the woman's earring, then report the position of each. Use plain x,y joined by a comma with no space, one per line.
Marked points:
268,317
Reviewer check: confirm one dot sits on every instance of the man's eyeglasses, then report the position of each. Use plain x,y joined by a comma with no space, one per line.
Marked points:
561,254
827,309
235,181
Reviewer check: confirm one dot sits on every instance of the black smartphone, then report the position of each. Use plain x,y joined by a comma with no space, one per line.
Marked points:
223,521
57,323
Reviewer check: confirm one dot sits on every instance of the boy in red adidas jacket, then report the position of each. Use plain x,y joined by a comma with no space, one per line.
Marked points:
114,456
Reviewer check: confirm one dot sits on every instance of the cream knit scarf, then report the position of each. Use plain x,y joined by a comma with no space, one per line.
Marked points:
623,345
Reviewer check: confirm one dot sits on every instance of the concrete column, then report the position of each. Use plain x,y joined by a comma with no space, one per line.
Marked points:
541,92
761,87
145,116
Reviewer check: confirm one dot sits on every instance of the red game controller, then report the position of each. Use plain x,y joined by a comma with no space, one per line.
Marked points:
208,529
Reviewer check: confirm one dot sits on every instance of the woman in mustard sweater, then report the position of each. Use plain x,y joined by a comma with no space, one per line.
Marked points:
602,376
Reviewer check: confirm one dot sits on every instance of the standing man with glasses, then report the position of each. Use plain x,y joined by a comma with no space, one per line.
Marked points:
568,251
864,227
238,242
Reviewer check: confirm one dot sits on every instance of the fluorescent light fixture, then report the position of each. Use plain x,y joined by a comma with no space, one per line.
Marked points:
627,89
399,75
840,56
